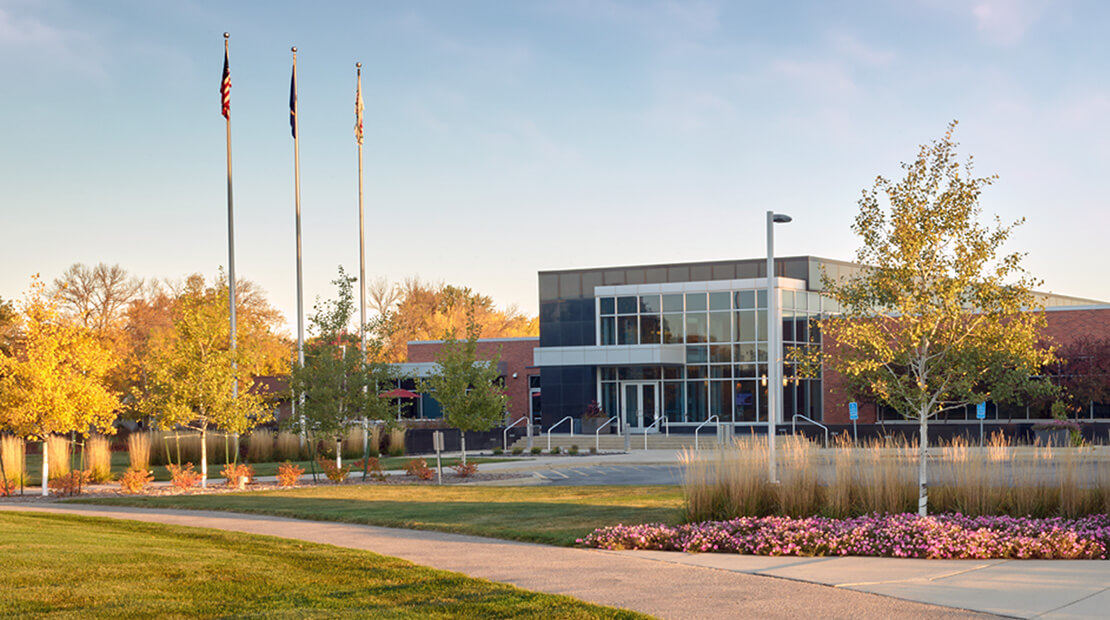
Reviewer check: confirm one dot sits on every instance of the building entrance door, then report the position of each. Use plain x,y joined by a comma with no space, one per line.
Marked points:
640,405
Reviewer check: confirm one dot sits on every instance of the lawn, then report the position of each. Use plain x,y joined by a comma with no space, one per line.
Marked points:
550,515
89,567
120,462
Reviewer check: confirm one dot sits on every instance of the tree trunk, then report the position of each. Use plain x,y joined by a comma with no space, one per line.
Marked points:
462,442
923,458
45,468
338,452
203,459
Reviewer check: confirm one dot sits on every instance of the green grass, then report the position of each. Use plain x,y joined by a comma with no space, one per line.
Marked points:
69,566
120,462
550,515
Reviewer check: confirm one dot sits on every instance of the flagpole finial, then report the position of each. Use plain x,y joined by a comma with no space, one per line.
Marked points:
294,50
227,36
358,65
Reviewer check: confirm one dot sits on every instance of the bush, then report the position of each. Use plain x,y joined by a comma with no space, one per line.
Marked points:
517,451
420,469
463,470
573,450
555,450
98,455
70,484
11,452
335,474
183,478
135,481
7,487
234,472
288,474
58,455
498,451
537,450
372,467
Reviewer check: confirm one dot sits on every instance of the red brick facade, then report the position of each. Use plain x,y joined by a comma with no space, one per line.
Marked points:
516,357
1063,325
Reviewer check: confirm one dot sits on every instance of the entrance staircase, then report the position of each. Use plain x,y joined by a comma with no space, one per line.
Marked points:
615,443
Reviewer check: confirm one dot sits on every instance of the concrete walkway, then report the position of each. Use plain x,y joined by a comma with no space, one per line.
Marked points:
672,588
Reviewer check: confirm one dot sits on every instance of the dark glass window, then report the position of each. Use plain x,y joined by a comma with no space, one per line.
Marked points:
695,401
745,353
745,300
627,330
607,305
649,329
608,330
672,400
695,301
720,327
696,372
720,400
673,328
761,298
649,304
672,372
745,400
720,353
696,327
608,373
697,355
672,303
626,305
720,371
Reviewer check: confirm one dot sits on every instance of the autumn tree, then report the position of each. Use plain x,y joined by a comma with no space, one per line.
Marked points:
468,388
192,376
340,387
425,311
53,379
938,318
9,321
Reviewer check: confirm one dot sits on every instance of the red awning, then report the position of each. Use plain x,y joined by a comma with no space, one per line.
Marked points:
398,393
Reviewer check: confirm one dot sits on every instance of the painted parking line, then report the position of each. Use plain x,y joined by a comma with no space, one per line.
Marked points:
558,473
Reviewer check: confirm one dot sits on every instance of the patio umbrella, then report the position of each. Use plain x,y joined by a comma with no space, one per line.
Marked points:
399,393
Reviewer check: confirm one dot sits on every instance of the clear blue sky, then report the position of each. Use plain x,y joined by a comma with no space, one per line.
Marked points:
504,138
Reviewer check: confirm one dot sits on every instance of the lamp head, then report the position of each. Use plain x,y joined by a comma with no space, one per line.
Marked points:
781,218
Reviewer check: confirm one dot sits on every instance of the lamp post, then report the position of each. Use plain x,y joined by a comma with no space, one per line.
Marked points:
774,348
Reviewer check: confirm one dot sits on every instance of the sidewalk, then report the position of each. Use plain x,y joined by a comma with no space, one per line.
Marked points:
672,588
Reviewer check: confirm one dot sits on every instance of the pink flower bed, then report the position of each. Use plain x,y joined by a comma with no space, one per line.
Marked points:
946,536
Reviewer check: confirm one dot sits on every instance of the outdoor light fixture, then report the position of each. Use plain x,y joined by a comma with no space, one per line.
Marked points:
774,340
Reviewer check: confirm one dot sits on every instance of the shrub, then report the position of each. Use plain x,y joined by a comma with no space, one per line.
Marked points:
372,467
183,478
463,470
335,474
517,451
420,469
234,472
498,451
573,450
536,450
135,481
138,450
58,455
554,450
397,441
260,447
287,446
7,487
98,455
374,438
70,484
288,474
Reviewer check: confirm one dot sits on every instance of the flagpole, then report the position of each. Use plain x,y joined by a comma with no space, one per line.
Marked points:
361,262
295,123
230,236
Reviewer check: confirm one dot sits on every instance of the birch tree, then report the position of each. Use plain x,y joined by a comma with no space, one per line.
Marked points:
939,318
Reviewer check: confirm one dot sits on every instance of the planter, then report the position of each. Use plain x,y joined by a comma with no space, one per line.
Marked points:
1060,437
590,425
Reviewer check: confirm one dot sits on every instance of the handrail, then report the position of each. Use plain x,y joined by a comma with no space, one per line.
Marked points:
597,433
811,421
648,428
505,435
711,418
553,428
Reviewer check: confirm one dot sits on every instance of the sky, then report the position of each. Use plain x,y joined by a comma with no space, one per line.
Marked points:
505,138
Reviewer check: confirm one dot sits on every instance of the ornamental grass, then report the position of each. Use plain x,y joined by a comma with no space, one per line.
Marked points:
260,447
98,458
287,447
13,458
138,451
57,457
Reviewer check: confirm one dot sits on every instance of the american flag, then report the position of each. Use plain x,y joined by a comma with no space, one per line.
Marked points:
225,89
358,109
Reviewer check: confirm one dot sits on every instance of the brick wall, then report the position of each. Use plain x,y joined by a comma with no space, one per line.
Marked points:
516,356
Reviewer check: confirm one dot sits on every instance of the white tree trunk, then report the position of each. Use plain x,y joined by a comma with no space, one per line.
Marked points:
462,441
923,458
45,468
338,452
204,459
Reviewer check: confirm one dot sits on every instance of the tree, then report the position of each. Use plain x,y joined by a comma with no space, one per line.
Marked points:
97,295
466,387
938,319
424,311
193,378
53,380
1084,372
9,321
340,387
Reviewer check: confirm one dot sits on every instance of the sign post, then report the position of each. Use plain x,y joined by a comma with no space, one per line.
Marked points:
981,414
853,415
437,443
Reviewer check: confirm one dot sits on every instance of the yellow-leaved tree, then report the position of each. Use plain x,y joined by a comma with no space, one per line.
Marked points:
53,379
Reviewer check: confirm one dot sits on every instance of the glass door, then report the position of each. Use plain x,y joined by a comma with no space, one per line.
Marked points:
640,405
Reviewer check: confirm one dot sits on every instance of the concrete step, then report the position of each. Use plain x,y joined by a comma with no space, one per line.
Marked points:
613,443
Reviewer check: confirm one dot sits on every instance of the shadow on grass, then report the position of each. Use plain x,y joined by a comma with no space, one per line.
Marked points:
557,523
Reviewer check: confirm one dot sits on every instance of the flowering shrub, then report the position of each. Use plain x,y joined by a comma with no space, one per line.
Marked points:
463,470
288,474
420,469
335,474
946,536
183,478
70,483
234,471
7,487
135,480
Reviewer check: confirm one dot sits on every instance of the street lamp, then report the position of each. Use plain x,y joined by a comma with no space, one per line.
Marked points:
774,342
